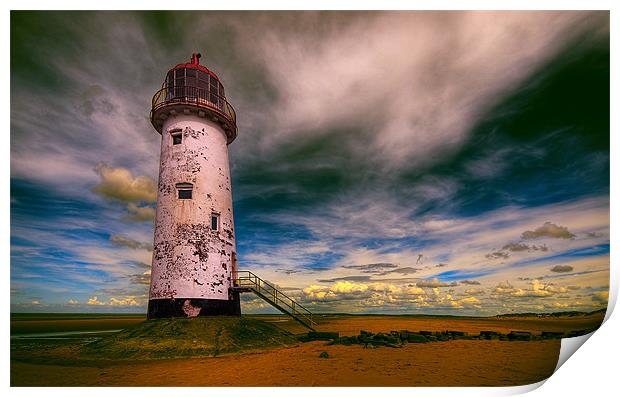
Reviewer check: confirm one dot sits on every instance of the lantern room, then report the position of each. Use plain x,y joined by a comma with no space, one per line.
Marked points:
191,88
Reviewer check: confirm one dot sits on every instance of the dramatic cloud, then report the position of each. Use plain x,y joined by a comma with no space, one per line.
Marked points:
550,230
120,184
432,92
336,208
562,268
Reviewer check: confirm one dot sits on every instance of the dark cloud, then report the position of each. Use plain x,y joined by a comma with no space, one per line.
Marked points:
347,278
470,282
497,255
550,230
400,270
441,265
288,271
141,279
317,269
516,247
562,269
123,241
372,267
504,253
94,100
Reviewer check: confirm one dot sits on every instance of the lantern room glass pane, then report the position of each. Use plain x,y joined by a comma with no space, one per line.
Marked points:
190,72
179,73
203,85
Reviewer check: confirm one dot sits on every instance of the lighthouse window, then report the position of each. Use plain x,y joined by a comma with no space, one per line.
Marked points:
184,191
215,221
177,137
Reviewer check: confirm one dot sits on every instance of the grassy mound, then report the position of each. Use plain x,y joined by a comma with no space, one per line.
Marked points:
195,337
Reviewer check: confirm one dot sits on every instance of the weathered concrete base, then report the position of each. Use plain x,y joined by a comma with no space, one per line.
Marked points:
189,307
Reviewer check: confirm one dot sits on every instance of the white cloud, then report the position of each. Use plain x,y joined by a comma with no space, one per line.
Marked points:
601,297
423,76
120,184
94,301
126,301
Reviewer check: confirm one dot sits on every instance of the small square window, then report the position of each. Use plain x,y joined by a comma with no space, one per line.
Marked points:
185,194
177,138
215,222
184,191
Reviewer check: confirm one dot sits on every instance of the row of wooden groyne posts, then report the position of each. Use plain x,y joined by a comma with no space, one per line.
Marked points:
399,338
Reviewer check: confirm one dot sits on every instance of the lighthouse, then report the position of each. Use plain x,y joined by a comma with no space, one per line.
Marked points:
194,257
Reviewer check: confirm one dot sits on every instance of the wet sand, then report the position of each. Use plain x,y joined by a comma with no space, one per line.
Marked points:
450,363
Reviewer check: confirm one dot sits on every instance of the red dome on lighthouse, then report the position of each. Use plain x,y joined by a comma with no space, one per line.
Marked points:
195,64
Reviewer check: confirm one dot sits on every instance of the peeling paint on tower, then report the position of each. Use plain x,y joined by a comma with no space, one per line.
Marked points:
194,243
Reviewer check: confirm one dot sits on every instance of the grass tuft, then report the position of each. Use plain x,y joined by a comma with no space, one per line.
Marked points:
194,337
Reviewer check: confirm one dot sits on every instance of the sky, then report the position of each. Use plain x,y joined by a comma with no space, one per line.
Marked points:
387,162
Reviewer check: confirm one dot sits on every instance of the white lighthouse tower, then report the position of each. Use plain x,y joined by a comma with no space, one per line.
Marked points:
194,246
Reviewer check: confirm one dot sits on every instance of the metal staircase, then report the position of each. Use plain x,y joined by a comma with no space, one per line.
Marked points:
246,281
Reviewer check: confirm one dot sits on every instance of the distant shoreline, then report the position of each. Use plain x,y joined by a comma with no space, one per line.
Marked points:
57,316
